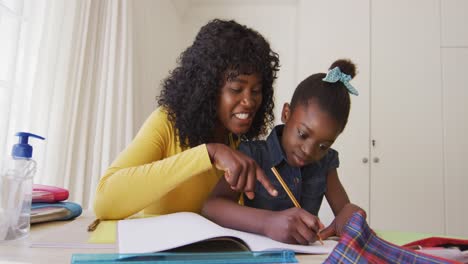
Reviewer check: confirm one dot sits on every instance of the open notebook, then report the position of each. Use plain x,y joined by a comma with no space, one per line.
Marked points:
172,231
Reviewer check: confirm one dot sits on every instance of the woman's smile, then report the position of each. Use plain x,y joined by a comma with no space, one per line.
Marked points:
238,103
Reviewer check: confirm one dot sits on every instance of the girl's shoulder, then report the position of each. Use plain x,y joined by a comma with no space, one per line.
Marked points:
331,159
253,145
256,149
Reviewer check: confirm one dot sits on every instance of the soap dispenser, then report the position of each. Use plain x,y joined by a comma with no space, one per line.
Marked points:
16,190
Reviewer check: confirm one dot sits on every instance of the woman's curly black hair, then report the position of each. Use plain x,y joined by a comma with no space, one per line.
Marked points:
190,93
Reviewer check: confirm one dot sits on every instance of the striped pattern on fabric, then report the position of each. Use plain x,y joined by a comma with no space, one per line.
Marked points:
360,244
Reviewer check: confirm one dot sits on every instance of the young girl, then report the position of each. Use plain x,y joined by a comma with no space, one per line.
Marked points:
220,90
301,152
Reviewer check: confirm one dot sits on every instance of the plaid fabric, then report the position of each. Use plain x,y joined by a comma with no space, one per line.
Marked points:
360,244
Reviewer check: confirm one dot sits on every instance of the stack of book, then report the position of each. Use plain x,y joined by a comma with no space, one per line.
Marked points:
48,204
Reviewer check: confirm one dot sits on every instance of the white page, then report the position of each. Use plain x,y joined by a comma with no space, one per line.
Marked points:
174,230
164,232
262,243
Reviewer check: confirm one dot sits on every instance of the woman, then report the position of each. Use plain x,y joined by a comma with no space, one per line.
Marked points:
220,91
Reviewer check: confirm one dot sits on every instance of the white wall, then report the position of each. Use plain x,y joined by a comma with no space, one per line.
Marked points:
157,44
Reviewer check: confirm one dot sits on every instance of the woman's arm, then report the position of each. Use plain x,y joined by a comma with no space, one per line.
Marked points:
143,172
154,164
293,225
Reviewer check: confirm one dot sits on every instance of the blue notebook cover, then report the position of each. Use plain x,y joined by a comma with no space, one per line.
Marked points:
45,212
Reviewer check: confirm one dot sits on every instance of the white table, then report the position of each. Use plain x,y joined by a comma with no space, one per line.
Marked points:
72,241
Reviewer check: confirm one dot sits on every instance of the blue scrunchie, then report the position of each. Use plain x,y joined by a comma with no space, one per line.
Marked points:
335,75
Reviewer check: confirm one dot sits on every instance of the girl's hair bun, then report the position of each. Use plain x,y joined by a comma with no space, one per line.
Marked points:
346,66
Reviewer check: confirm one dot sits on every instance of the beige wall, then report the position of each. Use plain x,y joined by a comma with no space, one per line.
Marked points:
157,44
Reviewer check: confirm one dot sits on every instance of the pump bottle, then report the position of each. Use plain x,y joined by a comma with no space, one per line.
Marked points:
16,190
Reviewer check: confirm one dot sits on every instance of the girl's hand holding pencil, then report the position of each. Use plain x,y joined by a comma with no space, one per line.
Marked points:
292,226
300,234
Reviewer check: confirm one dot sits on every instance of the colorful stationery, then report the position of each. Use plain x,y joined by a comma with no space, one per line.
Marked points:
45,212
48,194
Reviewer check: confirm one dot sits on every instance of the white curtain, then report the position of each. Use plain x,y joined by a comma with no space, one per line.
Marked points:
72,84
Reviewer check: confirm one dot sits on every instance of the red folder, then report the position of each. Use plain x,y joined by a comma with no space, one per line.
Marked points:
445,247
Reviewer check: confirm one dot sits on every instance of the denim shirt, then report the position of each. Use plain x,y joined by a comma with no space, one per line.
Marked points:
308,184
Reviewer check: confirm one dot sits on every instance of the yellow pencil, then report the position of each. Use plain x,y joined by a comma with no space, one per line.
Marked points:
94,225
290,194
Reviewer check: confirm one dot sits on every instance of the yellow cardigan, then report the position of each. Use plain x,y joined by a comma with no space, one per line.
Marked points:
154,174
